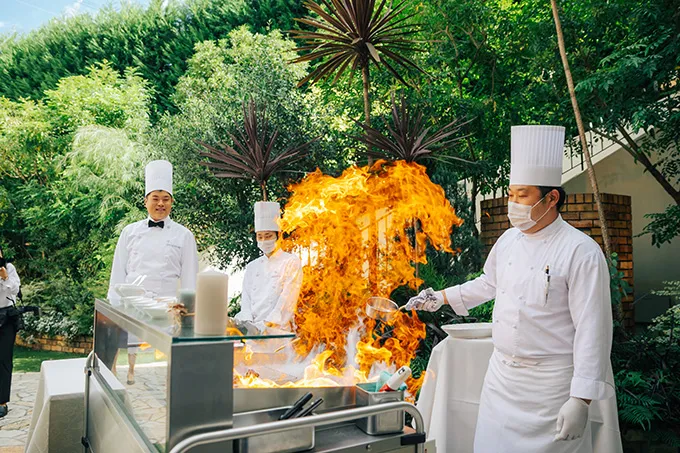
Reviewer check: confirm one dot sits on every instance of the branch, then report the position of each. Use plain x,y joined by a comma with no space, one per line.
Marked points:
616,140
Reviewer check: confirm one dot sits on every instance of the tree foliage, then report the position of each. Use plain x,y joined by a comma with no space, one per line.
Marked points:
157,40
66,169
209,97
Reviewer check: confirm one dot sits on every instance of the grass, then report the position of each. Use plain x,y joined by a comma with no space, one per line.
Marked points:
27,360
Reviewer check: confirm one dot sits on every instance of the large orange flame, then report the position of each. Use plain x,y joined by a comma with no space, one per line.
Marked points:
359,235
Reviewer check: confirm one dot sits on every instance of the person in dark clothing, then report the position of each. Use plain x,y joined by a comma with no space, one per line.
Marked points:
10,319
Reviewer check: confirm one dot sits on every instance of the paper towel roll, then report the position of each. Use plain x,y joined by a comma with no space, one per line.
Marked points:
211,303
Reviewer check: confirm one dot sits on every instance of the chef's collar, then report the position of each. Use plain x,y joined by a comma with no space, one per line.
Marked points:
548,230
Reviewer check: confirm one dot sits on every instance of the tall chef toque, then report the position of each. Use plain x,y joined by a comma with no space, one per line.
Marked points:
158,176
267,214
536,155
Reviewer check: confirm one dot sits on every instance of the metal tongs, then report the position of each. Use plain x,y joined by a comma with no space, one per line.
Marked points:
297,411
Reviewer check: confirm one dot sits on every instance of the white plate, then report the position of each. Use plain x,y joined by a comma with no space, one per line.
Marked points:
128,290
472,330
157,311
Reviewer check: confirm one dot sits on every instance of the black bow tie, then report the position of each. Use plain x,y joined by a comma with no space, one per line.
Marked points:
160,224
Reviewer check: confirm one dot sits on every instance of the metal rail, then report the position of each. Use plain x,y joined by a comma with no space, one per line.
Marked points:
314,420
89,361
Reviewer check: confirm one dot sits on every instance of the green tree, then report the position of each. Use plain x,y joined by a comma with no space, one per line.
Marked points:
354,35
209,97
157,40
55,226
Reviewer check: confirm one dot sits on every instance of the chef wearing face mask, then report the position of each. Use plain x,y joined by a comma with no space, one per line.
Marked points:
552,319
271,284
157,247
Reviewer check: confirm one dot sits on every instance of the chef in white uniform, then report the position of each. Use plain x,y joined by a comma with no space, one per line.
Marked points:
552,319
271,284
157,247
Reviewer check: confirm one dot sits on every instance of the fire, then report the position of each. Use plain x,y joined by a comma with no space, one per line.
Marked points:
359,235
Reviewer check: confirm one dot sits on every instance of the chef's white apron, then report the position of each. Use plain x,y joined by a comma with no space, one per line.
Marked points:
158,258
519,405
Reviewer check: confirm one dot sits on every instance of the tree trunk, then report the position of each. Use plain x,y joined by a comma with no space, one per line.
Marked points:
581,130
474,192
584,143
367,98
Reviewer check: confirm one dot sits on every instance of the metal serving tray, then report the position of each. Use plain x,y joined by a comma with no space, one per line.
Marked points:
387,423
300,439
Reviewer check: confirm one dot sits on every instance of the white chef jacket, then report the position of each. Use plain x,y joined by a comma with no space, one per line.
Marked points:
271,286
167,256
534,319
9,288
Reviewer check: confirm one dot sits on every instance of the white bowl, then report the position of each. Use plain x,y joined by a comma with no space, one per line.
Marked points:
128,301
166,299
471,330
142,302
129,290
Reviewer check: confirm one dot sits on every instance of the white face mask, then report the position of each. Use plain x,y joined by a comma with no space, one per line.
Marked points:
520,215
267,246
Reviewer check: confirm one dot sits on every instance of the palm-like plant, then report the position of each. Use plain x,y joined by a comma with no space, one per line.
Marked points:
252,156
350,34
408,138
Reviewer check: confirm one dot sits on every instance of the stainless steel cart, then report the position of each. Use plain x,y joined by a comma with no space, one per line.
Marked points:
185,401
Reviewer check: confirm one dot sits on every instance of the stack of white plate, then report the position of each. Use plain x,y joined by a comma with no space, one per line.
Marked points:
152,308
129,290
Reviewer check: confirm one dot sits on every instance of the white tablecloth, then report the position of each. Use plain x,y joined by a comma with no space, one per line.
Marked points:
449,399
58,411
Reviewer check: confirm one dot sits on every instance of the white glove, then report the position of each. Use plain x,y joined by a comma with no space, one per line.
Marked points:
427,300
572,419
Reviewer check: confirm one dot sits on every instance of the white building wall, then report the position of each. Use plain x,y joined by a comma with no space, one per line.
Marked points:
619,174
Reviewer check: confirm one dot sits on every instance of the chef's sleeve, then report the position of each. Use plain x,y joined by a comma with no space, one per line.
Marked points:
591,312
119,266
189,262
284,309
477,291
246,313
12,284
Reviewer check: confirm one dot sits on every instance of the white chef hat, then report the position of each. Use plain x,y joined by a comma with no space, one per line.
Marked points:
267,214
536,155
158,176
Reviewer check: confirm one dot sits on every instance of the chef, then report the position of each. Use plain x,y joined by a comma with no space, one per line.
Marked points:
157,247
271,284
552,319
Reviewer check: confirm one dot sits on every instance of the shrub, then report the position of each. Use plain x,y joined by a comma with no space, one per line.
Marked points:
647,377
68,308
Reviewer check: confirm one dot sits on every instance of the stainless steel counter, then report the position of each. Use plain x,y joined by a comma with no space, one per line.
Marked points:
201,403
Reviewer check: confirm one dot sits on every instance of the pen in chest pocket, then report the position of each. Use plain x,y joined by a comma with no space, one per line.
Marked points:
547,282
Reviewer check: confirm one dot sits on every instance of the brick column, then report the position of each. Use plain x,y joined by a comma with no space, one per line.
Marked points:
580,211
